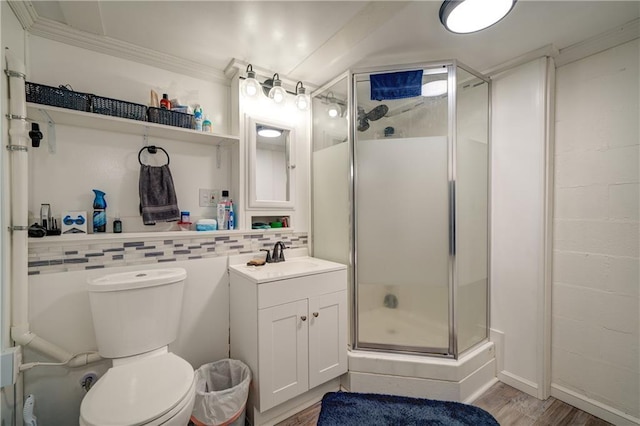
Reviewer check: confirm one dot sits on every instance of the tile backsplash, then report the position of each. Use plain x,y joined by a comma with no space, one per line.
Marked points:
71,255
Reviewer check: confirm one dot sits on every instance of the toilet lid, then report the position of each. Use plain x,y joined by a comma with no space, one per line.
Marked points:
138,392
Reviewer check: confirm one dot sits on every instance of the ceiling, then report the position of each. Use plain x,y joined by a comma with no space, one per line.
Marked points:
314,41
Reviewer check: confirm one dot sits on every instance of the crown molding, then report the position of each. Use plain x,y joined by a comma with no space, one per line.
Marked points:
56,31
545,51
612,38
25,12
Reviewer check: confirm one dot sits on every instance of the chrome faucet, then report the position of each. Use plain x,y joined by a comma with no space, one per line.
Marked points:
278,252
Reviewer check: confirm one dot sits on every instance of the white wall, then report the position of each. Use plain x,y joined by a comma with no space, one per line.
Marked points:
60,313
517,219
86,159
596,240
53,63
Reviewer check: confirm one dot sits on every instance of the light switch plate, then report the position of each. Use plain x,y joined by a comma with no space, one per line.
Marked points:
10,361
208,197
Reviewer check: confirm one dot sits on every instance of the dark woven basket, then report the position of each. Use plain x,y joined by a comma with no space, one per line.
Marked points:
170,118
57,96
118,108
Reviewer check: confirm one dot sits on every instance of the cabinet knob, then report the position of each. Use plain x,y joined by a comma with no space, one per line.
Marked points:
303,318
315,314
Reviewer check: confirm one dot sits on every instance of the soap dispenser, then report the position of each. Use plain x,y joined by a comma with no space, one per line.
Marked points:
99,212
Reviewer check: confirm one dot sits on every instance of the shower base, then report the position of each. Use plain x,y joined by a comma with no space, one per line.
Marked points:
461,380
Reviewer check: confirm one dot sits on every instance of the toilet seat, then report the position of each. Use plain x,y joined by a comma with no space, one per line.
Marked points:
140,392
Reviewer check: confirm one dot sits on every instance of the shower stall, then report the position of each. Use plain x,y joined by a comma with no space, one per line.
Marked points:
400,194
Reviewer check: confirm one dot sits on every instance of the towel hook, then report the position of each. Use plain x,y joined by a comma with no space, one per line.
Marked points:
153,150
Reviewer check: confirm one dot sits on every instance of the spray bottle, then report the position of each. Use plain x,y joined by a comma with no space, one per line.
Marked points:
197,113
99,212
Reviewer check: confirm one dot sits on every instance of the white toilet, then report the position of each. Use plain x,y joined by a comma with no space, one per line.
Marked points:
135,316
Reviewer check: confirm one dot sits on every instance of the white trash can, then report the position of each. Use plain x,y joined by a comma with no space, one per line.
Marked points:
222,388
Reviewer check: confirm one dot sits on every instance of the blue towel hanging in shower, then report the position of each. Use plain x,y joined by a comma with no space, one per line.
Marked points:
396,85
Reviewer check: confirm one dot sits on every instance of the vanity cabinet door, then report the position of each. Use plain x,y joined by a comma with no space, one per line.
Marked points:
327,337
283,352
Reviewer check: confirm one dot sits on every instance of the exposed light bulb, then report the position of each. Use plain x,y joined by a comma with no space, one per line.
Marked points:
302,100
334,110
250,86
278,94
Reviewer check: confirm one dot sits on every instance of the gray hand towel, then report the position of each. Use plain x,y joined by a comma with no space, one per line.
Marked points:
158,201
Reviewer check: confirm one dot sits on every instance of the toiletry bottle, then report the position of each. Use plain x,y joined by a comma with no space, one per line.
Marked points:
206,124
222,210
197,113
165,103
99,212
117,225
232,216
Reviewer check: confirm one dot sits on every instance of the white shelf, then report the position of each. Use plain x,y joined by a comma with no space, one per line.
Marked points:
39,112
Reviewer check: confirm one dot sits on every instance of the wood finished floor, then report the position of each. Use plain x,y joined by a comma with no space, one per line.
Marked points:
508,405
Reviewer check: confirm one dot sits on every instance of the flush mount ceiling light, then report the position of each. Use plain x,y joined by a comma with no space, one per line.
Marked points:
302,100
469,16
250,86
434,88
268,132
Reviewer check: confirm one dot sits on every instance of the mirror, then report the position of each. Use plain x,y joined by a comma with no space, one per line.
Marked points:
270,165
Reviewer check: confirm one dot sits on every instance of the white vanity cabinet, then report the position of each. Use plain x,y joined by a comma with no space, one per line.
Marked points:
290,328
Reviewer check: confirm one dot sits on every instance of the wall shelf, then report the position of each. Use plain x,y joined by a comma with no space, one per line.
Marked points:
44,113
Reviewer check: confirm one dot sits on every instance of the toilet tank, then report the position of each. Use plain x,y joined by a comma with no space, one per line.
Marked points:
136,312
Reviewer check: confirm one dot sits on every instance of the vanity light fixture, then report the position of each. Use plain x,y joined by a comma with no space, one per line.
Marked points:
268,132
302,99
250,86
277,92
469,16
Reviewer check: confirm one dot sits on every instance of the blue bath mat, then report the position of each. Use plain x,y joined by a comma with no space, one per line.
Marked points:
367,409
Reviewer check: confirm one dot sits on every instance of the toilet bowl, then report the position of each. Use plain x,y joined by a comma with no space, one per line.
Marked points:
159,390
136,315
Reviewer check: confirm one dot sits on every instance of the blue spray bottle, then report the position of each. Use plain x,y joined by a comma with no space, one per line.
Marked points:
99,212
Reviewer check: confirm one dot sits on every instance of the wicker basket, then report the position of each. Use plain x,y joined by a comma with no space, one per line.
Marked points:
118,108
57,96
170,118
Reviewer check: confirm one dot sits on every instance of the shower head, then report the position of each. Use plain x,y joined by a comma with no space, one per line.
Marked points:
375,114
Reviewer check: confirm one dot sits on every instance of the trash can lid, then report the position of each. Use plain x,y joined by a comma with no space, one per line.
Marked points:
138,392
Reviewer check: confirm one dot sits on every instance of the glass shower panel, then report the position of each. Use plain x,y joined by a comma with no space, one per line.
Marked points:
331,173
472,165
402,220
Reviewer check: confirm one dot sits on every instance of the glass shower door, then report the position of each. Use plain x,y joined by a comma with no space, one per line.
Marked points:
401,195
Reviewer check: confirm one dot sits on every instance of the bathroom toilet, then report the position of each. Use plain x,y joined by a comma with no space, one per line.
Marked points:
136,315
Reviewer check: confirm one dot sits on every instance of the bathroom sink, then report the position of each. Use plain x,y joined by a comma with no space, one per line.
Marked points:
291,268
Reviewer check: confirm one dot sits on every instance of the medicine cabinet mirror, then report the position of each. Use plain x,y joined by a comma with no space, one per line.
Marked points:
270,164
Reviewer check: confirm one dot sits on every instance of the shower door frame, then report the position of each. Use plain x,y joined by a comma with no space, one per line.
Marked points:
451,66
